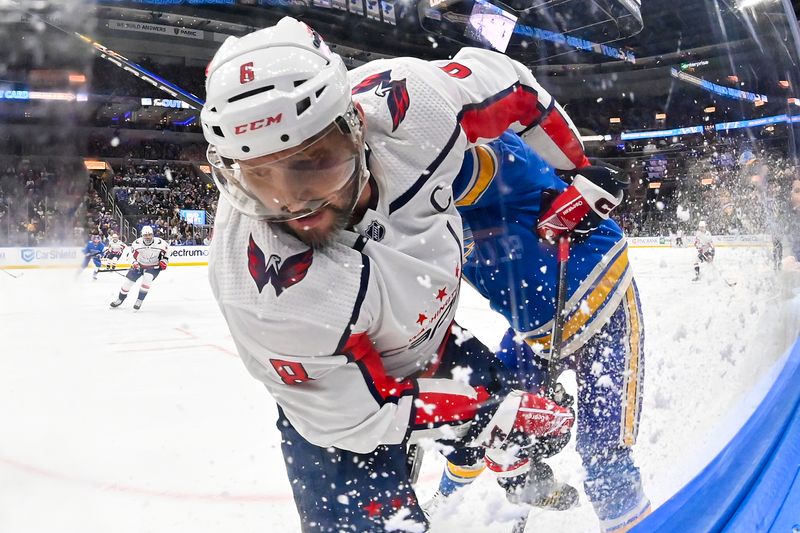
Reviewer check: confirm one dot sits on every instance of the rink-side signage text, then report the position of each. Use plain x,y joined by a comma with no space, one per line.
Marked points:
71,257
668,241
188,251
160,29
49,255
165,102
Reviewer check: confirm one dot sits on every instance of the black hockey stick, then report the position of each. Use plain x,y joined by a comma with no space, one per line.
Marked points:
557,335
119,271
102,271
414,462
556,340
12,275
728,282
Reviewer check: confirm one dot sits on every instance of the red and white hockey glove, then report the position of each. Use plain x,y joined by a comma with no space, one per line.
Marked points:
522,421
527,413
162,265
594,193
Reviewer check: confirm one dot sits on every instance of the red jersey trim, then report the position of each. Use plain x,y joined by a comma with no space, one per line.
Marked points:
556,127
494,115
438,408
384,388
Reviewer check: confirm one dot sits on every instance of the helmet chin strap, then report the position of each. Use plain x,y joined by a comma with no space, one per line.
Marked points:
355,213
350,122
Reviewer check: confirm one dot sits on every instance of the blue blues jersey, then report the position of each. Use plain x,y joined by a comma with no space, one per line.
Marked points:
94,248
498,192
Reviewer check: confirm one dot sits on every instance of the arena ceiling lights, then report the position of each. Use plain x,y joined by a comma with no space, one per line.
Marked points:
526,28
749,4
728,92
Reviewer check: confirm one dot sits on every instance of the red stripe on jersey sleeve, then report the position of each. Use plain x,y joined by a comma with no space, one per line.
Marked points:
435,408
359,347
491,119
556,127
431,407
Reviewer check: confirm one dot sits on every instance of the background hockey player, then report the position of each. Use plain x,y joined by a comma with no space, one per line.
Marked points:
113,251
92,253
679,238
704,244
506,193
150,256
338,271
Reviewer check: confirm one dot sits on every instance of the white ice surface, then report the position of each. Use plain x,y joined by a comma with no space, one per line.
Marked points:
132,422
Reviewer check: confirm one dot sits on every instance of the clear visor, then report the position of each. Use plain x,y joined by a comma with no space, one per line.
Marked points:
296,184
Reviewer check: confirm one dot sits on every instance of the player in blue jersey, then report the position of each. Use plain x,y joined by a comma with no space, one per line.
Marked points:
504,192
93,252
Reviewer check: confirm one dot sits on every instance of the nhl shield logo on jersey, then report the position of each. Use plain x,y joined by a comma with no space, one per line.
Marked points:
281,273
375,231
394,91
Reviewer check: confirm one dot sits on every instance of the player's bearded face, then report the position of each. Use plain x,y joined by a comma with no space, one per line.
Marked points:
312,189
318,229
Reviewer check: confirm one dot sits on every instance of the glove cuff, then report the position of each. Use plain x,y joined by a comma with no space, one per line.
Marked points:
502,422
506,463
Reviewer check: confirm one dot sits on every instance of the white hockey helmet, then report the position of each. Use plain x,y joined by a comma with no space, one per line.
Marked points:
701,224
271,91
147,234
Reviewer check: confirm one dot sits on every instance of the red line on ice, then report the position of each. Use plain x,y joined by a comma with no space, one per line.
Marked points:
221,497
179,347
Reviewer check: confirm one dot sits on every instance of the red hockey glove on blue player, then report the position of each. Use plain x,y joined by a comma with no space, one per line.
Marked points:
522,421
162,265
540,428
585,204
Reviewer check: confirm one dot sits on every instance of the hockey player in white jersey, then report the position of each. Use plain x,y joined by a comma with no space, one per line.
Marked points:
150,257
113,252
704,244
336,259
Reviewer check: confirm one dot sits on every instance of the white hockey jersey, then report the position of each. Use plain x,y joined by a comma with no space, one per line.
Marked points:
149,255
341,335
703,240
116,247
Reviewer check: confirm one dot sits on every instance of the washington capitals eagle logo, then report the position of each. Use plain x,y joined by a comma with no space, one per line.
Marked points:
394,91
281,273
